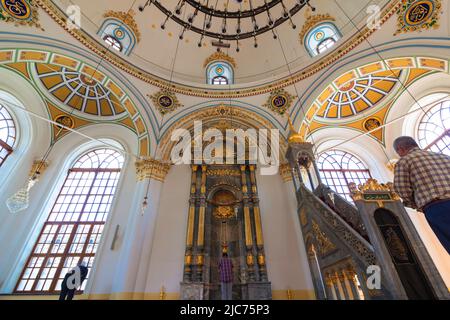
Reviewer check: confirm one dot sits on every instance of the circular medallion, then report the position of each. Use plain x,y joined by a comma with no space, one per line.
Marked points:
165,101
372,124
348,86
419,12
18,9
119,33
319,35
64,121
219,70
279,101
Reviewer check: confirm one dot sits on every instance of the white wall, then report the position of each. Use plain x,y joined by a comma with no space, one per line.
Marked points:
167,259
287,262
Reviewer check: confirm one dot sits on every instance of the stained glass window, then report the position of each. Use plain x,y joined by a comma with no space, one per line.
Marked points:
321,38
75,224
338,168
7,134
219,73
434,129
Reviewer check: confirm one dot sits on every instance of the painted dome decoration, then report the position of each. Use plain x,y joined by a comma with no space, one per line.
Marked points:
79,91
358,95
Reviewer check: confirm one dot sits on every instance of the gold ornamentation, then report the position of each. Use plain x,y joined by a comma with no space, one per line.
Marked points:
325,245
286,172
38,168
162,293
65,122
165,100
391,164
20,12
303,218
151,169
127,18
371,189
224,212
261,259
372,124
294,136
418,15
223,172
312,21
219,56
250,260
280,101
149,78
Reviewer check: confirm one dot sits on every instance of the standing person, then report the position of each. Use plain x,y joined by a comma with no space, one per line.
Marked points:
422,179
70,285
226,277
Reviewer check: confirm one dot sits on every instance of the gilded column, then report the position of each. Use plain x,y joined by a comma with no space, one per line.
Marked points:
341,279
201,226
248,226
258,226
350,275
337,286
330,286
348,286
190,230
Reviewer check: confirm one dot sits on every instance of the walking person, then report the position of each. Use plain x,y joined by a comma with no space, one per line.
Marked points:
422,179
226,277
73,281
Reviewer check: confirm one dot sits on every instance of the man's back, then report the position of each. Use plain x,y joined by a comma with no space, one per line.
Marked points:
424,175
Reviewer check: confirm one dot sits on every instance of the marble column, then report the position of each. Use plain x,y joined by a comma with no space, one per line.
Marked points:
188,261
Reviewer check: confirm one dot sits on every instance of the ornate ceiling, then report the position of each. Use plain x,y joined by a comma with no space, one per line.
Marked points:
161,50
358,95
79,91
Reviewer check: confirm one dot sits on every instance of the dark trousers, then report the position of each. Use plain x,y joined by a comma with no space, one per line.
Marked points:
438,216
66,292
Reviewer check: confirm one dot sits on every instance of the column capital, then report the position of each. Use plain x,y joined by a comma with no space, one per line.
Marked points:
149,168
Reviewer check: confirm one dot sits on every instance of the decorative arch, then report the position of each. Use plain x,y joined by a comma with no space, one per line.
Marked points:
57,74
119,31
7,134
321,38
221,117
74,226
408,69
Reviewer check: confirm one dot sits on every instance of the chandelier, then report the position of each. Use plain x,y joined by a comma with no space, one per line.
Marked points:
208,19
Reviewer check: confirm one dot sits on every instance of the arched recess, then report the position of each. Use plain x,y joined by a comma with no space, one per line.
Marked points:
326,88
365,148
31,65
408,110
220,117
29,222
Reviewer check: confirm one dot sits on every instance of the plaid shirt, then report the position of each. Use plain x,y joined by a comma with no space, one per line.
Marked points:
226,270
422,177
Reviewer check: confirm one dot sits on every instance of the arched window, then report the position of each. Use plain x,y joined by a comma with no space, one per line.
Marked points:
220,80
338,168
434,129
75,224
7,134
321,38
113,43
119,35
219,73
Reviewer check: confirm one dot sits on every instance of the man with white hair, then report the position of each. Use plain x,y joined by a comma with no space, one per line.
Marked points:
422,179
